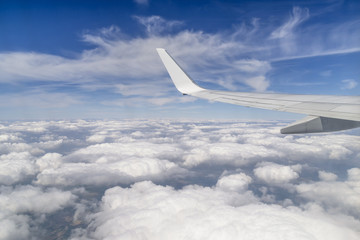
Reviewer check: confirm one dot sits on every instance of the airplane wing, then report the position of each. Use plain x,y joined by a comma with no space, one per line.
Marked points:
326,113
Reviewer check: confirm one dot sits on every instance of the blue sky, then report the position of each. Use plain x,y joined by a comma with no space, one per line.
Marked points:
97,59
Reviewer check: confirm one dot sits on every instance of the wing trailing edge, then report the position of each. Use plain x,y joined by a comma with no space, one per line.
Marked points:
326,113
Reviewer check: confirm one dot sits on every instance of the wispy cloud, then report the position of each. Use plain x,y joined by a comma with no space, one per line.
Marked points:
142,2
348,84
286,34
318,53
236,59
156,25
298,16
326,73
115,56
39,99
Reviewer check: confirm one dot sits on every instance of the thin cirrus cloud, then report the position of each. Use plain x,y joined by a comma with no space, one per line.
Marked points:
117,56
161,179
348,84
240,58
114,57
296,18
286,33
142,2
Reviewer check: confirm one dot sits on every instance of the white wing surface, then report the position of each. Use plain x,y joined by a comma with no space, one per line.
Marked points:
326,113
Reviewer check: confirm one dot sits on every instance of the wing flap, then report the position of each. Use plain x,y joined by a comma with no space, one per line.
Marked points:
314,124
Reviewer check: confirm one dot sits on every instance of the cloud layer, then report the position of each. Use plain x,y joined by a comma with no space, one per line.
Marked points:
196,212
161,179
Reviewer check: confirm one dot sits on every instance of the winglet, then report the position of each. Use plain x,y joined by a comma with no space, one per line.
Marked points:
182,81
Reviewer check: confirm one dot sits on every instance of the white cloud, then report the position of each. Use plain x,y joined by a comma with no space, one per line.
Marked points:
241,178
141,89
31,199
112,163
9,138
16,167
235,182
49,160
277,174
33,127
149,211
116,57
298,16
23,207
112,152
348,84
286,33
39,99
115,63
260,83
253,65
97,138
327,176
149,101
326,73
230,153
308,148
354,176
340,196
14,227
105,174
155,24
142,2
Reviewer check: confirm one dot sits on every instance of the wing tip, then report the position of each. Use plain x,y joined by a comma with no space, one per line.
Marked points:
179,77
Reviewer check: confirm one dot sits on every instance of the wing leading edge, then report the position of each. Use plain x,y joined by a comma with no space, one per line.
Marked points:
326,113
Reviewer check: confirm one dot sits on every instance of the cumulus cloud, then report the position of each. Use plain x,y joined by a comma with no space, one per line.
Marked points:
9,138
16,167
235,182
14,227
236,154
277,174
104,174
327,176
19,203
49,160
148,211
336,195
36,200
91,179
